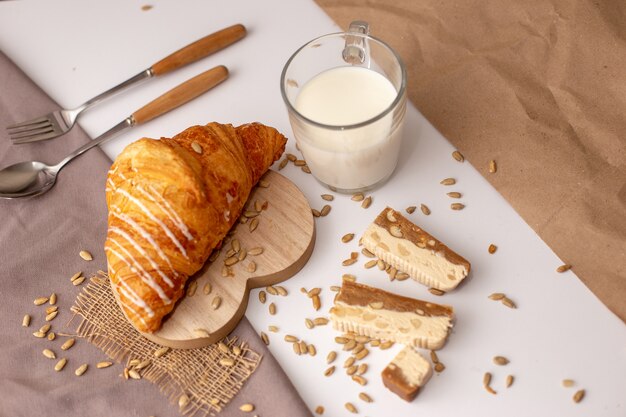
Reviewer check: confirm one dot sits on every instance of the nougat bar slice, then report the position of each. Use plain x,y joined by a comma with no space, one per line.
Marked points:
407,373
378,314
412,250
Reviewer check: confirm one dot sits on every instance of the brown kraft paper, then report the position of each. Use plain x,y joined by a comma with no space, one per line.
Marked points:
540,87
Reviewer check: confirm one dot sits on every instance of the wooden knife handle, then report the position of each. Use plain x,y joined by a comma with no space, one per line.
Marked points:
181,94
199,49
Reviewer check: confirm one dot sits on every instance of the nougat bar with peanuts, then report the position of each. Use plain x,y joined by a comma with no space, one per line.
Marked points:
407,372
410,249
378,314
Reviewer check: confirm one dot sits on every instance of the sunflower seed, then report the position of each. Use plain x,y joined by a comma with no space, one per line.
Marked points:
141,364
26,321
370,264
193,287
251,267
78,281
320,321
579,395
265,338
329,371
81,369
262,296
217,302
425,209
290,338
52,309
509,380
255,251
49,354
347,237
134,374
317,303
291,157
272,309
493,167
351,370
85,255
325,210
457,206
454,194
231,261
349,262
228,361
76,275
327,197
367,202
183,401
51,316
439,367
436,291
102,365
246,408
377,305
283,164
362,354
60,365
410,209
357,197
201,332
363,396
264,184
273,329
316,213
348,277
68,344
53,299
492,249
299,162
508,302
282,290
330,358
500,360
196,147
448,181
351,408
486,382
254,224
361,369
296,348
458,156
41,300
319,410
386,344
497,296
207,288
306,169
303,347
401,276
434,357
568,383
44,329
309,323
563,268
359,380
161,351
312,350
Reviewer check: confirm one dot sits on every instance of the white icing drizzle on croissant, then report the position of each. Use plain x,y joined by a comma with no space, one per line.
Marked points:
168,210
136,266
155,219
126,290
148,237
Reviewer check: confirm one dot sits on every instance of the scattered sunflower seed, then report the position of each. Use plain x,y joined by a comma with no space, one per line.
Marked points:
49,354
60,365
500,360
563,268
458,156
425,209
410,209
81,369
330,358
102,365
508,302
283,164
265,339
487,382
161,351
254,224
328,197
439,367
325,210
262,297
436,291
246,408
493,167
492,249
41,300
351,408
357,197
365,397
316,213
216,303
78,281
227,361
454,194
207,288
347,237
183,401
579,395
26,321
457,206
53,299
568,383
85,255
68,344
448,181
367,202
319,410
272,309
196,147
509,380
255,251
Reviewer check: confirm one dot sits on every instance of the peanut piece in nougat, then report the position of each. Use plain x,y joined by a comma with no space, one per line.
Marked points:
407,373
412,250
378,314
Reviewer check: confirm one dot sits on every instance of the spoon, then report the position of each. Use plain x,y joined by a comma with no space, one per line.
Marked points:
32,178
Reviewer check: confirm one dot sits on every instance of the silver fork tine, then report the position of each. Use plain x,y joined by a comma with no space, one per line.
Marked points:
35,138
28,128
32,132
29,122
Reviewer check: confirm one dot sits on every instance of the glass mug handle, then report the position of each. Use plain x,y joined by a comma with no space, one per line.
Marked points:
356,51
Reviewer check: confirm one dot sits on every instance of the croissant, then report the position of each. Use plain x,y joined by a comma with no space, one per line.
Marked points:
171,202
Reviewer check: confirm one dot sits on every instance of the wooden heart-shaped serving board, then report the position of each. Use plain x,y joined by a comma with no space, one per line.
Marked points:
285,232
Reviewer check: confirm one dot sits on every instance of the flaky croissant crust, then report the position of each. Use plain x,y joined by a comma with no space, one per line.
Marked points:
171,202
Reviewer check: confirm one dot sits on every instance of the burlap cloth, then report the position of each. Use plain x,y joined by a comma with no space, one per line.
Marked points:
539,87
40,240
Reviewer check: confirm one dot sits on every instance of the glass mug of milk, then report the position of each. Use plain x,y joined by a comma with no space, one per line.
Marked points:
346,98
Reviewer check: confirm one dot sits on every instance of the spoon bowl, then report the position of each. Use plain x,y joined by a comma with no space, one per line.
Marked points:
26,179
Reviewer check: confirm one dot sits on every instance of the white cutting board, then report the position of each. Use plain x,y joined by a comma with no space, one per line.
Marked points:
560,329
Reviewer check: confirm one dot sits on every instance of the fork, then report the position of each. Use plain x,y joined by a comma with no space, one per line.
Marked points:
60,122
